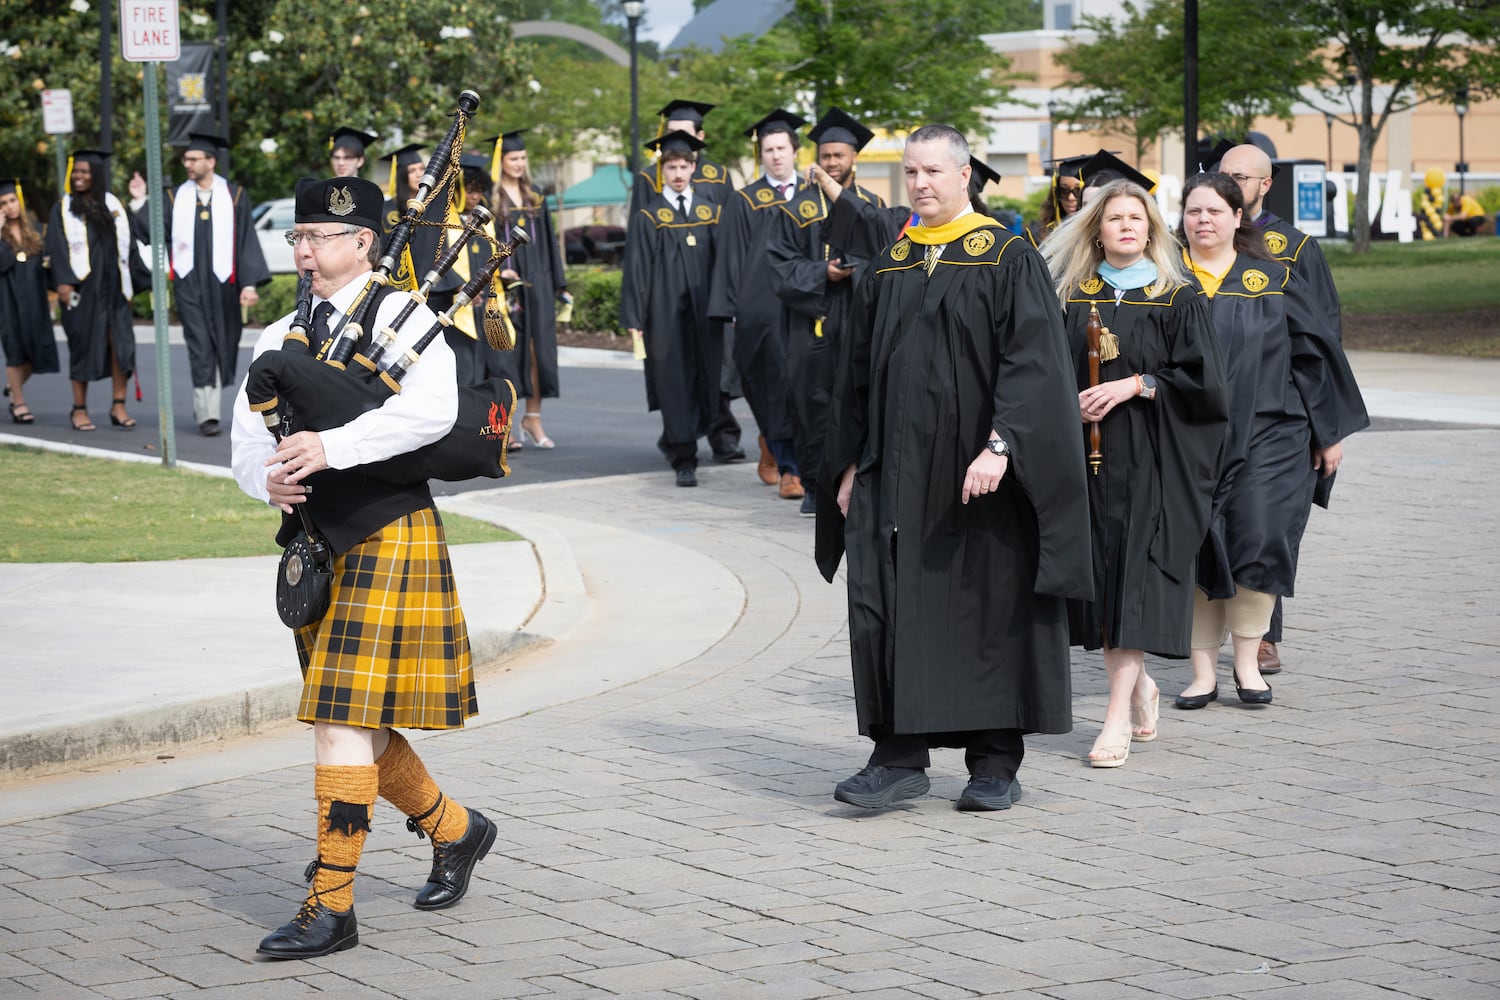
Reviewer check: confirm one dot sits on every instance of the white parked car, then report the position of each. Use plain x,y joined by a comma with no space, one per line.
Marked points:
273,220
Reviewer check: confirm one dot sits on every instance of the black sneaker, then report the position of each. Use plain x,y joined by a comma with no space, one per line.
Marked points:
687,476
985,794
728,455
878,786
209,428
809,505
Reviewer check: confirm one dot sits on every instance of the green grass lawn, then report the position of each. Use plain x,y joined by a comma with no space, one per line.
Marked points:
1452,275
67,508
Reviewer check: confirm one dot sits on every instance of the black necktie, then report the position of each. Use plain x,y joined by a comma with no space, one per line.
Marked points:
682,205
320,331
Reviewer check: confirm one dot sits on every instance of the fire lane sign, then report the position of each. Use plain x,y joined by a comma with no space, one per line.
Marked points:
150,31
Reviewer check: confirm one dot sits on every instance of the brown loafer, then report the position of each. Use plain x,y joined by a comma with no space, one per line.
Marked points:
766,467
1268,659
791,487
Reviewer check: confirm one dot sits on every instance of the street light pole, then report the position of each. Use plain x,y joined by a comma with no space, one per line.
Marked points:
1051,134
1461,107
633,11
1328,121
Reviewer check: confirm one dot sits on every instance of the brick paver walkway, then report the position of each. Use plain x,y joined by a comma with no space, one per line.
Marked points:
677,837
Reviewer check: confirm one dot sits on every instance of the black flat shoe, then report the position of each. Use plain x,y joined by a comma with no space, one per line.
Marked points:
1187,701
454,862
1250,696
877,786
315,930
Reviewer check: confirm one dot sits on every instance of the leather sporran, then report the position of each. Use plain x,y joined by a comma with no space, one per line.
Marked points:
304,581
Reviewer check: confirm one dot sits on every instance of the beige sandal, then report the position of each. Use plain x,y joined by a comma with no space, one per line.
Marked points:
1109,754
1145,717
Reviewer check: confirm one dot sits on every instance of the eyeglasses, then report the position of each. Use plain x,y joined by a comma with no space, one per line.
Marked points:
316,240
1242,178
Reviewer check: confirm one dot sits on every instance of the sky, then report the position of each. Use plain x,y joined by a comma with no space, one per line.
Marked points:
664,18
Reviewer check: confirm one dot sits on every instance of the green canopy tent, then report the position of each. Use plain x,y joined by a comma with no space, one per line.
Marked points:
609,185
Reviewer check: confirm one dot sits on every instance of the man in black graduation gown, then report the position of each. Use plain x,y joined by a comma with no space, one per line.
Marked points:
711,186
954,452
742,293
669,250
1320,370
815,280
346,150
217,265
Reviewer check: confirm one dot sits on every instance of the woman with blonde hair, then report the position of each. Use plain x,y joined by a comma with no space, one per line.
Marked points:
25,318
536,272
1160,405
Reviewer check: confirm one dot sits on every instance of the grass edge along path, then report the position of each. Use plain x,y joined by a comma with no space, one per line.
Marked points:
74,508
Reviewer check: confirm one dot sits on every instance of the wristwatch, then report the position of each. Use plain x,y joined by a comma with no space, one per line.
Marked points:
998,446
1148,387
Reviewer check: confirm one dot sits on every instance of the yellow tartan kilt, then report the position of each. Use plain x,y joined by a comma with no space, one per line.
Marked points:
393,649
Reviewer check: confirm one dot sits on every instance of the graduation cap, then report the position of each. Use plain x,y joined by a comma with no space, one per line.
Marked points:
838,126
777,121
1210,152
676,141
982,175
1068,166
401,159
12,185
684,111
351,139
203,142
511,142
474,161
1104,166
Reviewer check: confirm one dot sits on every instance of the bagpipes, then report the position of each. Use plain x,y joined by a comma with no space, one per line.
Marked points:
293,389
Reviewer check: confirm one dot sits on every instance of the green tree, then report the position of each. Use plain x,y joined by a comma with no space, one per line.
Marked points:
1132,68
894,64
296,71
1387,56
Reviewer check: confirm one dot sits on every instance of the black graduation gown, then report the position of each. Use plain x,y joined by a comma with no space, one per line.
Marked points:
864,228
102,319
1335,408
799,256
535,310
741,292
1267,482
664,293
1149,503
426,244
711,185
25,320
957,617
208,308
474,360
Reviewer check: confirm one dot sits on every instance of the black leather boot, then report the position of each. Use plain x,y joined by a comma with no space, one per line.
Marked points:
315,930
453,863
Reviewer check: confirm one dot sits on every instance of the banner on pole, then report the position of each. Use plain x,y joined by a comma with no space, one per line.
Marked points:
190,93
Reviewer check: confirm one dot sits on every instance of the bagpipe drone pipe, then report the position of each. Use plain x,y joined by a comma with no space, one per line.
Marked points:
295,390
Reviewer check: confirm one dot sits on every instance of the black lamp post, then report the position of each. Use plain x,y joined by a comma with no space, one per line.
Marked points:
1051,133
1461,108
633,11
1328,121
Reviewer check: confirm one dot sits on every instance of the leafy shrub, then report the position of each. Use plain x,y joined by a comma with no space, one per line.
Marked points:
596,299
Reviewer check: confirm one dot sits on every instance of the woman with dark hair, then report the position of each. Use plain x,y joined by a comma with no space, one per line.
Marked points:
1064,198
1266,474
25,320
532,366
96,269
1160,406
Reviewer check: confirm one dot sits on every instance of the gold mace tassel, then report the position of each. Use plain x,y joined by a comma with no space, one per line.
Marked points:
1109,346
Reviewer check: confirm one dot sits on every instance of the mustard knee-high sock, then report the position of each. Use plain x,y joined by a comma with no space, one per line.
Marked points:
405,784
346,796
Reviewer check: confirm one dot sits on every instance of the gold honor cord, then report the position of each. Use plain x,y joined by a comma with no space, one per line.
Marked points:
822,204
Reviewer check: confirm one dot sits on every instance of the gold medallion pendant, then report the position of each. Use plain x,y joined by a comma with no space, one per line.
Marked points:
692,240
203,215
21,256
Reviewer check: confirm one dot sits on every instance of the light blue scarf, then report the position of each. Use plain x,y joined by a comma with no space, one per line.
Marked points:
1137,275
